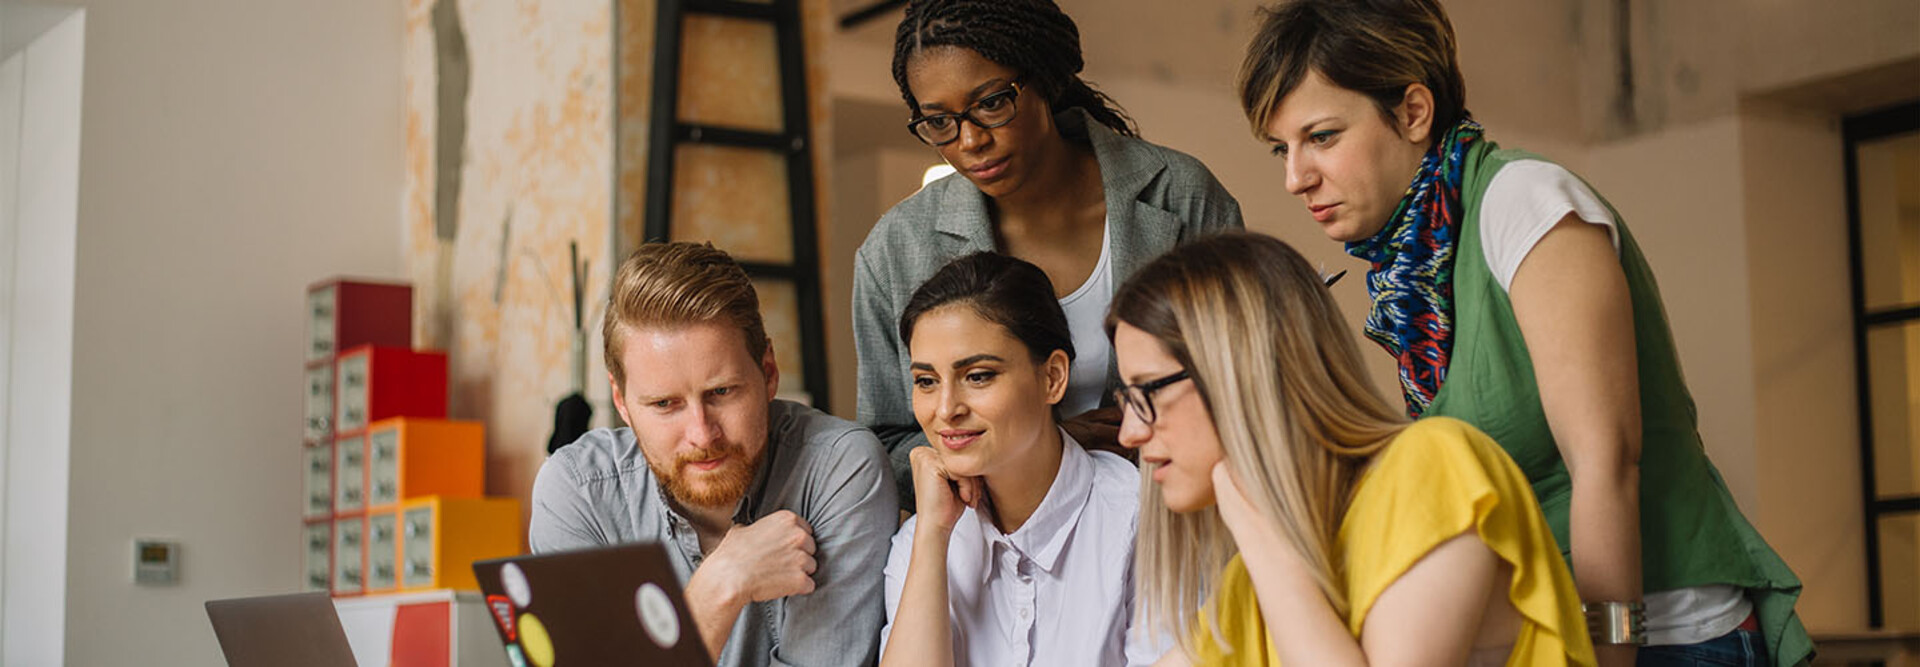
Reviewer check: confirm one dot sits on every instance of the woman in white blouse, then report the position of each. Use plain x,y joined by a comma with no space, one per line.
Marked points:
1022,549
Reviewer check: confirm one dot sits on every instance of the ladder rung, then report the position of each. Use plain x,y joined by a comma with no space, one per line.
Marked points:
766,270
762,11
708,134
1898,505
876,10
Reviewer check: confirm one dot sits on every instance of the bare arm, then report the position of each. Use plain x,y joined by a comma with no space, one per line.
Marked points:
715,607
771,558
921,632
1430,615
1571,300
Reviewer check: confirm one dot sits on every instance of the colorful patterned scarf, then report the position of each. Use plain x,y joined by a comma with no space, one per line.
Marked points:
1411,281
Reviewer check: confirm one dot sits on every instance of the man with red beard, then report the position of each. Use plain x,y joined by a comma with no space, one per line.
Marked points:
777,516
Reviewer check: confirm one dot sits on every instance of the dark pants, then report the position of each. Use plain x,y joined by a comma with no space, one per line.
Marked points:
1740,648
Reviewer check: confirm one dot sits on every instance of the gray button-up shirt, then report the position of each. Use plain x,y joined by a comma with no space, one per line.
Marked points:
833,473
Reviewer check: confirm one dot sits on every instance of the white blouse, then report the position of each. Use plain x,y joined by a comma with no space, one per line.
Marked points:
1058,591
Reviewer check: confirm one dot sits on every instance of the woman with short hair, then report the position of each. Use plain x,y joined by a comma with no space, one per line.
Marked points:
1514,298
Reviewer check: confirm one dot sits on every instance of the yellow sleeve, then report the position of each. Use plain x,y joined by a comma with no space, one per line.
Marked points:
1235,613
1440,478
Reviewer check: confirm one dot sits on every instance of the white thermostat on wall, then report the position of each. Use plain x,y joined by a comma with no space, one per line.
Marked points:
156,562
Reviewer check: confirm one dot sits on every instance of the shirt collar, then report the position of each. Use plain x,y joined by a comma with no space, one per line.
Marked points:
1043,538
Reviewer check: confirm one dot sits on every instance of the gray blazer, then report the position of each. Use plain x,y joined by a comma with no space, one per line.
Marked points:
1156,198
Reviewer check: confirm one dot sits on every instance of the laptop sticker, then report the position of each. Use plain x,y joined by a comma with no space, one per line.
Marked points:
533,638
503,615
657,615
515,582
515,656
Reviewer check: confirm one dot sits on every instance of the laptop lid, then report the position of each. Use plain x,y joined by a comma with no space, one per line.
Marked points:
611,605
300,630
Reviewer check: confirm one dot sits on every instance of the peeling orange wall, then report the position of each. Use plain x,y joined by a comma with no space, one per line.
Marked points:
555,151
536,173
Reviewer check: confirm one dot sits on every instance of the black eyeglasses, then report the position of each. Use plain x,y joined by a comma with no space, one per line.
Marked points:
986,113
1139,397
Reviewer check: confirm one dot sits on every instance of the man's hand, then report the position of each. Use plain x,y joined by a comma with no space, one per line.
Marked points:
772,558
769,559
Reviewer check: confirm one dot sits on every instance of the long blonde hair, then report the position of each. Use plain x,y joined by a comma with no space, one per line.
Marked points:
1280,374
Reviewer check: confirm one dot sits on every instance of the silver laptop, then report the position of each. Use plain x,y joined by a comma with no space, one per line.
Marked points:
300,630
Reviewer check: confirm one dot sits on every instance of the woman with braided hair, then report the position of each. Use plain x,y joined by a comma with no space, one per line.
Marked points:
1050,171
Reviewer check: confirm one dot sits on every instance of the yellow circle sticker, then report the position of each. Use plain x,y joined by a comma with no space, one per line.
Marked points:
533,638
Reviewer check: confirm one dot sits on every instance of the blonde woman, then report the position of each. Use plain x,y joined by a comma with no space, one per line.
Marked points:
1291,515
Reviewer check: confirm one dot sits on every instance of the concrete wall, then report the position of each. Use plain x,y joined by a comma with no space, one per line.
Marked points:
233,151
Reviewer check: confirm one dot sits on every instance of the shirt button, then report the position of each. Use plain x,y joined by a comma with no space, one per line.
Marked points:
1023,614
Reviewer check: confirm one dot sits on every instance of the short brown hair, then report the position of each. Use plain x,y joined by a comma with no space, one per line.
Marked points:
1374,47
677,284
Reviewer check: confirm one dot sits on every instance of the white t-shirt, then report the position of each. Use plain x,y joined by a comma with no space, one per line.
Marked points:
1086,310
1524,202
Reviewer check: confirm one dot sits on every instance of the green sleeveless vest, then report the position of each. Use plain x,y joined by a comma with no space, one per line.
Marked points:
1691,532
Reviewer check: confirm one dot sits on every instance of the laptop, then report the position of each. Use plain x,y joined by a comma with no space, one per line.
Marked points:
611,605
300,630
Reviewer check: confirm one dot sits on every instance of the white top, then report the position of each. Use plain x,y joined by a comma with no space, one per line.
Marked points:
1524,202
1086,314
1058,591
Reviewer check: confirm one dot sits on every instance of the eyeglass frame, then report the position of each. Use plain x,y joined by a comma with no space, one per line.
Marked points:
1144,408
1014,89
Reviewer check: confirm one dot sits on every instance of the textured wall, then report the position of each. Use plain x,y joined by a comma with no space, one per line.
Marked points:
532,174
545,112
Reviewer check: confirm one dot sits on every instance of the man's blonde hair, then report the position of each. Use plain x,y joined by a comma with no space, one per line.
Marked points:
1282,378
677,284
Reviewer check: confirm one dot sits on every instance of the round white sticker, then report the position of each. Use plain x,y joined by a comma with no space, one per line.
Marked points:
515,582
657,615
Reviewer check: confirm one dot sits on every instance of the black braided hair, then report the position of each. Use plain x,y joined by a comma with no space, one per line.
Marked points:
1033,37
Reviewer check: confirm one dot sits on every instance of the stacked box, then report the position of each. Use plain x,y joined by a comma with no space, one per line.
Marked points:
440,538
393,493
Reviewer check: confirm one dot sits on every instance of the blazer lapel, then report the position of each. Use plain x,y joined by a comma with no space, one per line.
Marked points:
963,223
1140,231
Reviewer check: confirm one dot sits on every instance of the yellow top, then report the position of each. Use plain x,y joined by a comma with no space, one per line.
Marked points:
1437,479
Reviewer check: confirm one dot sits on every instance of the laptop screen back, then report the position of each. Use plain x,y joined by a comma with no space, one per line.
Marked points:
613,605
300,630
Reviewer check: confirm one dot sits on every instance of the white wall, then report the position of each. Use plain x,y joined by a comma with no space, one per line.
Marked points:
233,152
40,84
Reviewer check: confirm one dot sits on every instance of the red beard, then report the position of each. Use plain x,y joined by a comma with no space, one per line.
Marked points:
719,487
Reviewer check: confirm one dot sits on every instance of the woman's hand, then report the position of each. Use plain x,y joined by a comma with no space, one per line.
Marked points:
939,496
1252,531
